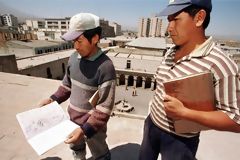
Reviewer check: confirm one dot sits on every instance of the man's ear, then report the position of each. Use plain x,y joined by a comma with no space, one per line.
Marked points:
200,17
95,39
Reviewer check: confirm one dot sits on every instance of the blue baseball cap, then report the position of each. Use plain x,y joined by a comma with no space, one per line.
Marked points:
175,6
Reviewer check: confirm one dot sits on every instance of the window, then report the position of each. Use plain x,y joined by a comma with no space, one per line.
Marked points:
49,74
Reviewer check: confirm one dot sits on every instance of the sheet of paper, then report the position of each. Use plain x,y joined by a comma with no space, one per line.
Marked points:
45,127
52,137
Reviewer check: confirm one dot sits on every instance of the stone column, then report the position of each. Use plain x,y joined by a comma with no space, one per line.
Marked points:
126,81
143,82
135,81
117,78
152,83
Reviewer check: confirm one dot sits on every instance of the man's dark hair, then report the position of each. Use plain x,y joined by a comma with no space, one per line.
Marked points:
89,34
193,10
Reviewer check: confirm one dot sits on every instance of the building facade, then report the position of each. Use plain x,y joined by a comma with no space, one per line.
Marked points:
155,27
9,20
144,27
151,27
54,28
117,28
107,30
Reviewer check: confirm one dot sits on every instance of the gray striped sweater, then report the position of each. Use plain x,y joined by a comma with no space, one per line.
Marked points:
82,79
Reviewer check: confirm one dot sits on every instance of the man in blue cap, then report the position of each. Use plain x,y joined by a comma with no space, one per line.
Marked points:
193,53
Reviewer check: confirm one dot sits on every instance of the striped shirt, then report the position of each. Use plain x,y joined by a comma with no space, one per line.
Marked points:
205,58
82,79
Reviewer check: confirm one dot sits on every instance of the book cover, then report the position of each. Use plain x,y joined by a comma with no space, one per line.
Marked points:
45,127
195,92
94,99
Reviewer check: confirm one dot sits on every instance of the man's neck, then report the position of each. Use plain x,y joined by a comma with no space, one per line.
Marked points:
187,48
93,52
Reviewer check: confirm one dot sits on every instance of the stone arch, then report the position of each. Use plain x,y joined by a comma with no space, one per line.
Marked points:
155,84
130,80
148,82
49,74
63,68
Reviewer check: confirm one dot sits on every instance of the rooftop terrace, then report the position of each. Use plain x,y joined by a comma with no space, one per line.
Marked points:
20,93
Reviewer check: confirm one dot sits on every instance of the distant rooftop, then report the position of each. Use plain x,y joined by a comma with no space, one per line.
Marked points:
148,42
35,61
137,51
122,39
37,43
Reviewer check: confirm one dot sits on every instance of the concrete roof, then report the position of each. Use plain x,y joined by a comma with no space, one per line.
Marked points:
111,54
137,51
122,55
138,59
37,43
42,59
105,41
11,44
135,56
20,93
119,59
121,38
148,42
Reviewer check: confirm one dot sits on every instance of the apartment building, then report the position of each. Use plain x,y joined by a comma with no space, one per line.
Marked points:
155,27
9,20
144,27
107,30
151,27
117,28
54,28
35,24
1,22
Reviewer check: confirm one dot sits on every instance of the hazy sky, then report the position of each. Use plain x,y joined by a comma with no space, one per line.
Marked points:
224,18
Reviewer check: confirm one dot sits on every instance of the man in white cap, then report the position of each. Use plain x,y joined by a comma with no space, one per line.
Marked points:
89,71
193,53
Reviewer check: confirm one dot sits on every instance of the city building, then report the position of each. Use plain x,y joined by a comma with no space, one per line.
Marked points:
54,28
29,48
9,20
117,28
120,41
144,27
35,24
49,28
155,27
149,43
1,21
152,27
11,30
8,33
107,30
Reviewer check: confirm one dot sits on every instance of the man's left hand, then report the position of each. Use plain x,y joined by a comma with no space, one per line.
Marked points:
174,108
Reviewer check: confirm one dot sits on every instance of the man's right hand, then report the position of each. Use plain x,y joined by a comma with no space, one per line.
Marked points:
45,102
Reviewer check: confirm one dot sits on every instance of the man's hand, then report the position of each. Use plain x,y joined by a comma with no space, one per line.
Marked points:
75,136
174,108
45,102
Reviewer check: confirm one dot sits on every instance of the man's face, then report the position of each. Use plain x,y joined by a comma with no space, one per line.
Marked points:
83,46
181,28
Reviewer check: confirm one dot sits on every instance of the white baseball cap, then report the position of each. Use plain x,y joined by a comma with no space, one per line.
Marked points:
80,23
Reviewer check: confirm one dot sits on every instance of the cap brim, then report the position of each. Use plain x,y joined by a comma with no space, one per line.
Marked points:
71,35
172,9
